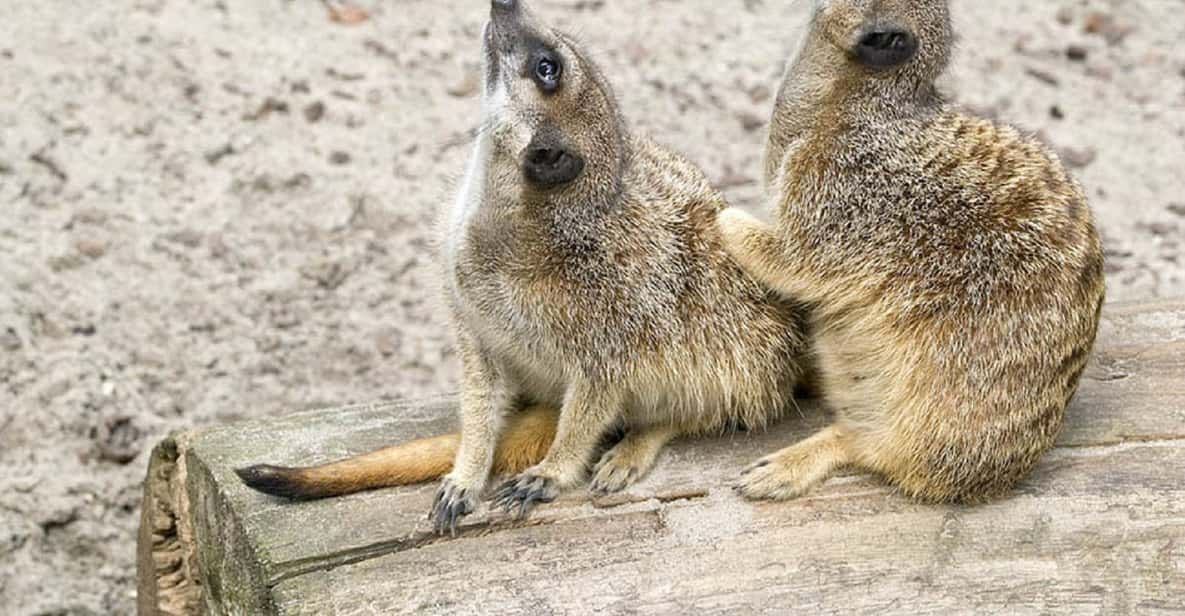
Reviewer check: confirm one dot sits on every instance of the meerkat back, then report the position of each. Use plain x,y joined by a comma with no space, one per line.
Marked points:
953,266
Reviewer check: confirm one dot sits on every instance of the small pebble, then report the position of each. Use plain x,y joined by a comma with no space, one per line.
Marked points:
750,121
313,112
10,341
1076,53
1078,157
91,248
465,87
1043,75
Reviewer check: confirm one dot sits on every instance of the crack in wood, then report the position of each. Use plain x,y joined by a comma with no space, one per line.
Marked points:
481,528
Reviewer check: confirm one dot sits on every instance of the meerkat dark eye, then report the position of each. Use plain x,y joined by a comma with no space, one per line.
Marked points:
547,70
882,48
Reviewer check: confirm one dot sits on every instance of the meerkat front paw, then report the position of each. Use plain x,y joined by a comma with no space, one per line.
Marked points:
452,503
519,494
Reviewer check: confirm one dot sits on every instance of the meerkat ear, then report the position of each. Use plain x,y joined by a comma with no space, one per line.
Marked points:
548,162
883,47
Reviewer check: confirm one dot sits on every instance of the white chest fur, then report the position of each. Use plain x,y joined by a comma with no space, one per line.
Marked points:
471,192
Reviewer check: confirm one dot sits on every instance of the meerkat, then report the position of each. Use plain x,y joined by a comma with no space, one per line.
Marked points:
951,266
584,272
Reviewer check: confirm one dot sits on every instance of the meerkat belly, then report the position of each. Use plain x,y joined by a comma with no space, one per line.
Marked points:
854,380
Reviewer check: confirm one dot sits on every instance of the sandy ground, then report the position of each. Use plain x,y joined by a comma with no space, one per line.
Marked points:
218,209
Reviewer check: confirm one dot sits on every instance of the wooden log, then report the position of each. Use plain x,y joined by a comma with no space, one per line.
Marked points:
1099,528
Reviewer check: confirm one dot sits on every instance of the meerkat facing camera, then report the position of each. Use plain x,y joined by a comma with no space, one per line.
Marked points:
952,266
585,272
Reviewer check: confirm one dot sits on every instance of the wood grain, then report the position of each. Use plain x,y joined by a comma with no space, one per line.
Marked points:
1099,528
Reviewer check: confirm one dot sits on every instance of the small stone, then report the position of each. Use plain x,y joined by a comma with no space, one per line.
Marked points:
87,329
339,157
185,237
217,154
1113,31
759,94
1056,113
1177,208
465,87
1078,157
269,106
1095,22
347,14
750,121
313,112
10,341
69,261
119,441
388,342
1065,16
329,274
90,247
1076,53
1043,75
298,181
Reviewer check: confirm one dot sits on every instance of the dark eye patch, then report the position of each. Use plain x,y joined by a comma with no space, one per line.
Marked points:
885,47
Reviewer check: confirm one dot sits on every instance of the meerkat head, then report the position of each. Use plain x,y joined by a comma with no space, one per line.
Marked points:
550,114
904,41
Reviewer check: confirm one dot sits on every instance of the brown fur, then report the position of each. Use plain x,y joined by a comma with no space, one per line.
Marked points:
610,296
953,268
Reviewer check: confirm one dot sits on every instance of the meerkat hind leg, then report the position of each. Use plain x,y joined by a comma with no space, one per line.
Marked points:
791,472
630,459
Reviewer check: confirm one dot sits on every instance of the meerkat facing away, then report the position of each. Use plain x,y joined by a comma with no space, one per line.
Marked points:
584,271
952,266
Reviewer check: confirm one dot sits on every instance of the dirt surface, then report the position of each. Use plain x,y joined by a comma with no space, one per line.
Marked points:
218,209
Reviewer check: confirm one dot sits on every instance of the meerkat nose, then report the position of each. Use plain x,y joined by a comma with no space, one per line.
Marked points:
508,6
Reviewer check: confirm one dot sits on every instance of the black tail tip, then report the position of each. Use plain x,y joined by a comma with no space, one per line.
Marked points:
275,480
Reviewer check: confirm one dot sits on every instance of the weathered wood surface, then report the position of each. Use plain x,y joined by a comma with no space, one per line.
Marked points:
1099,528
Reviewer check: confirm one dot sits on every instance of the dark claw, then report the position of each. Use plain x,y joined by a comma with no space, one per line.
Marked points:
523,492
450,505
754,466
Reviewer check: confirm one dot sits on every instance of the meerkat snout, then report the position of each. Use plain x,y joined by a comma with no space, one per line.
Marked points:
884,46
505,5
548,163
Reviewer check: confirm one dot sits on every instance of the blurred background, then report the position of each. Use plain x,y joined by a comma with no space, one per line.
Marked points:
219,209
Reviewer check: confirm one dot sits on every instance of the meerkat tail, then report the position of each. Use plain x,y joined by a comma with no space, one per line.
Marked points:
524,442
